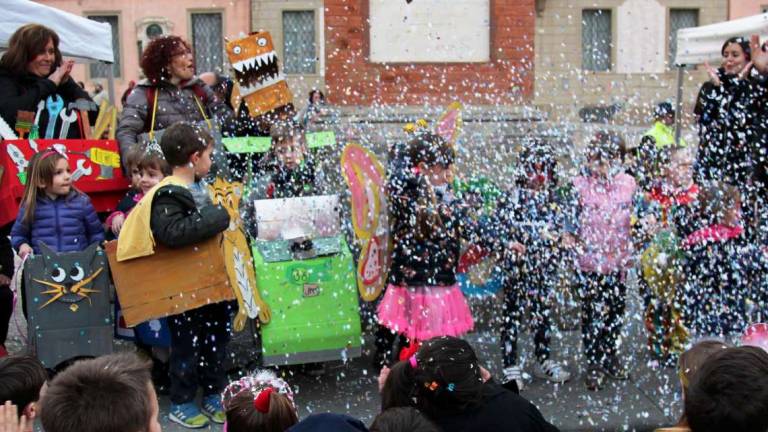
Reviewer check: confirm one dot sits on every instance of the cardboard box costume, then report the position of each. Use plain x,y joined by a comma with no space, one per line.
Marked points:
68,302
154,281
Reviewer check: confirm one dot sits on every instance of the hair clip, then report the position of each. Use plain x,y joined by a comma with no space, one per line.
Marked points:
261,403
432,386
413,361
451,387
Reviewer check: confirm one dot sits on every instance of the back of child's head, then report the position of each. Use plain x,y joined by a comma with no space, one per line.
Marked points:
430,149
109,393
402,419
716,200
152,159
40,172
730,392
607,146
259,402
442,377
21,378
693,358
181,140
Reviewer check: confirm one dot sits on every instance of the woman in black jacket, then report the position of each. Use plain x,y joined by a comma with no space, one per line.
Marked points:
31,71
725,117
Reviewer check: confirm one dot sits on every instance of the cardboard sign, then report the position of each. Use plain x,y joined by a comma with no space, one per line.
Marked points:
170,281
95,166
263,144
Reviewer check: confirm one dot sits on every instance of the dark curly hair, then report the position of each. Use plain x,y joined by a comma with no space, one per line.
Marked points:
158,54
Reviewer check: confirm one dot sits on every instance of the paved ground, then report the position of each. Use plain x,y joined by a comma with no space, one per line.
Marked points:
648,400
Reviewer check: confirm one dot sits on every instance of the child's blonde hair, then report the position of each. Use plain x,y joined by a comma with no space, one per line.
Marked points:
259,402
40,172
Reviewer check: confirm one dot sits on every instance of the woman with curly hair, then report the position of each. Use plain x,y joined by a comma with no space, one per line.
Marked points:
171,92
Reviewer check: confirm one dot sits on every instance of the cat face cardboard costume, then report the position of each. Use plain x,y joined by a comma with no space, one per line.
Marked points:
260,84
68,303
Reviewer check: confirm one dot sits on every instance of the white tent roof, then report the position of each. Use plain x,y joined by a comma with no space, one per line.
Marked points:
696,45
79,37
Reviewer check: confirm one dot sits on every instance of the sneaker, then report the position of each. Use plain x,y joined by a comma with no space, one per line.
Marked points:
595,378
213,410
188,415
513,376
613,369
551,370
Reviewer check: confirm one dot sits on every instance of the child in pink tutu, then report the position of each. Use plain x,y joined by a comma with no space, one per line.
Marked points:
423,299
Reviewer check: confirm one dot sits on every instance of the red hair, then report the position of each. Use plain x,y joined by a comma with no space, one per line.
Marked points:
158,54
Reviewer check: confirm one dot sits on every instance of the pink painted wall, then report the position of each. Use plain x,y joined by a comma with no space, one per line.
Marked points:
236,15
743,8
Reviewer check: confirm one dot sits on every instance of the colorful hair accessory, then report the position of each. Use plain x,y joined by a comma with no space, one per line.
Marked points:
49,152
261,403
451,387
413,361
257,385
432,386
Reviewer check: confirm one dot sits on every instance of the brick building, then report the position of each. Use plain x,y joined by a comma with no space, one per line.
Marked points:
371,52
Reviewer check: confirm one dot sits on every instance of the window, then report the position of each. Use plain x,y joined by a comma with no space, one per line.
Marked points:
679,19
764,8
596,39
207,42
299,45
101,70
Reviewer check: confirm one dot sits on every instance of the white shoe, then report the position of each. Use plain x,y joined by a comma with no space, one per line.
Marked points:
514,373
551,370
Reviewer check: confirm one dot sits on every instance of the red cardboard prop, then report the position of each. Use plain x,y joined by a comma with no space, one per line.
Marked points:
95,166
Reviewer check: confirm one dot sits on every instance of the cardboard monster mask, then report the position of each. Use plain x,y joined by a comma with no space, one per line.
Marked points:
261,84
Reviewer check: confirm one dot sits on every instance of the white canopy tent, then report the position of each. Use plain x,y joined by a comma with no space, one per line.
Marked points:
79,37
697,45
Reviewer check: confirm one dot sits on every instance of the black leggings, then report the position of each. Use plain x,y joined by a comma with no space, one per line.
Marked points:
532,289
6,268
603,300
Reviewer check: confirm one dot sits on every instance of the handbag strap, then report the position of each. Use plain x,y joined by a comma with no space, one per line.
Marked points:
202,111
154,113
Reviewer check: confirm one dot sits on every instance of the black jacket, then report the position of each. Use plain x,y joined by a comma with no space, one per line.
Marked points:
500,410
176,221
726,116
424,261
22,93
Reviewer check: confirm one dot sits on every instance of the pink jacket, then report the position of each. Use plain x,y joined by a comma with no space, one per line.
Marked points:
604,222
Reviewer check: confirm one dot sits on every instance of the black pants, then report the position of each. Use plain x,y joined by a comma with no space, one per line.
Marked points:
6,268
385,346
531,289
603,301
198,349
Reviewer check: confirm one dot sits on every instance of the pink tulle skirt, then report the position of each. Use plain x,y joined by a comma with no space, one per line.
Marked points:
425,312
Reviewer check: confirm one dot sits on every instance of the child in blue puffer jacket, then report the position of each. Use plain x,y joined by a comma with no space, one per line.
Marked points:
53,211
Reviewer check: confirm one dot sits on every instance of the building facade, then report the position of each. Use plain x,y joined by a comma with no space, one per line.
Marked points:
391,52
203,23
615,54
744,8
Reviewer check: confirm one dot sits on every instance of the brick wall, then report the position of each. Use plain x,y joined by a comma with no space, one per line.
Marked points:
353,80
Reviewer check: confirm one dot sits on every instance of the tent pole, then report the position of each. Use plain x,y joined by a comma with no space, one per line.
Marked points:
679,105
111,85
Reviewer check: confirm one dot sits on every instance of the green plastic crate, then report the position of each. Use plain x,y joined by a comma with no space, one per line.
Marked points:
314,303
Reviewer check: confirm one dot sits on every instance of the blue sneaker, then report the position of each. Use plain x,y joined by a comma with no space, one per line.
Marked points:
213,410
188,415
